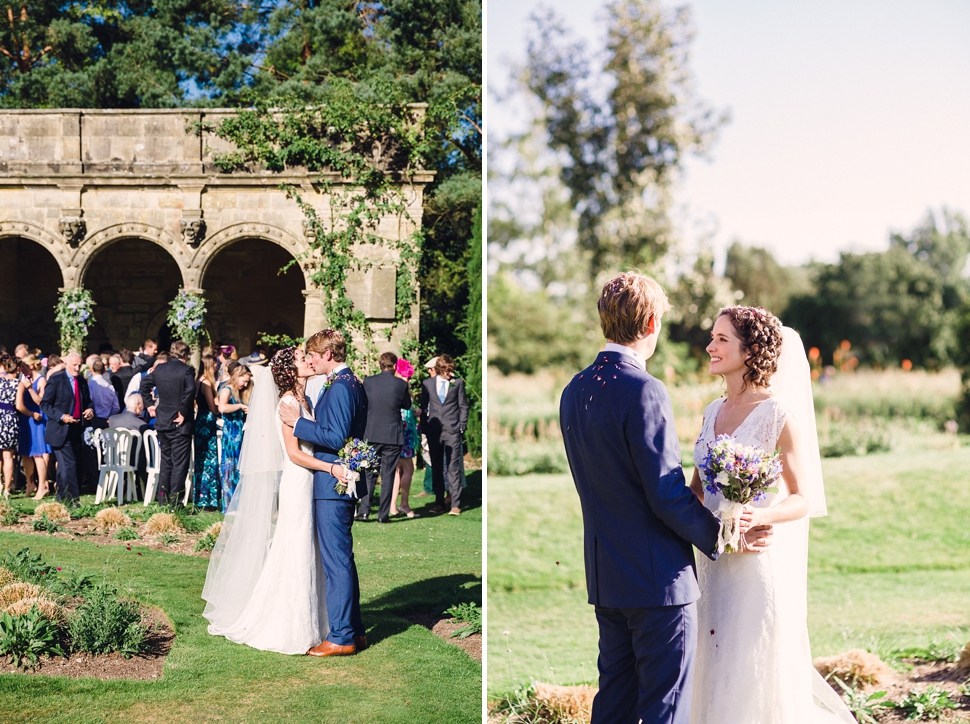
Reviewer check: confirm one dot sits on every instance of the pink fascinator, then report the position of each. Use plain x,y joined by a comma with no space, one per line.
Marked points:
404,368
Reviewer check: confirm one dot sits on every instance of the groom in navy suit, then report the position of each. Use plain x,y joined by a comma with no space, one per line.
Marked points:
340,412
640,519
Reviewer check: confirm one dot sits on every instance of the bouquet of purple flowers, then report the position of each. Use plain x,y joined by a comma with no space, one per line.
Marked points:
356,455
741,474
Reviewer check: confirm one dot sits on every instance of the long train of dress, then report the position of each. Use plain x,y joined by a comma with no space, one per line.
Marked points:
287,609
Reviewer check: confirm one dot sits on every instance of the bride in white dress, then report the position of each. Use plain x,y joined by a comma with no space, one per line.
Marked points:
753,657
265,585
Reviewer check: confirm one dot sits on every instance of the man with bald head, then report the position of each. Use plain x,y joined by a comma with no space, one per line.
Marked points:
67,403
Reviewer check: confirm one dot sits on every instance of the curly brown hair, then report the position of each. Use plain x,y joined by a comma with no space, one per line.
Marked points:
760,333
283,366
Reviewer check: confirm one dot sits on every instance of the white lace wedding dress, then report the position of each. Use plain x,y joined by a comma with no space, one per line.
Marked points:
286,611
753,658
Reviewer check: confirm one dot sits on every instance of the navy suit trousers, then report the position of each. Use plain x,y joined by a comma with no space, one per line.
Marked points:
646,664
69,460
334,519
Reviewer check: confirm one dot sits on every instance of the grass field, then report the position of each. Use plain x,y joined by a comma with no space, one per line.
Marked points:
407,675
888,568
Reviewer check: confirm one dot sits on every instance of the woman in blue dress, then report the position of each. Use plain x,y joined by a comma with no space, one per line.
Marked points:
233,405
207,480
34,452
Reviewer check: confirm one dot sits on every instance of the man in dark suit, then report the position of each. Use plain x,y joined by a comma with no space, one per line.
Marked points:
640,519
67,404
121,373
444,417
340,412
387,395
174,381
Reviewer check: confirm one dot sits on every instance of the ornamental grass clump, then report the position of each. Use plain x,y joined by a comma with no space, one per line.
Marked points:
6,577
47,608
55,512
208,540
111,519
163,523
104,623
18,591
855,667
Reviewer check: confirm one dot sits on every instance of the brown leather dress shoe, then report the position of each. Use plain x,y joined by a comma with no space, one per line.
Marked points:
360,642
331,649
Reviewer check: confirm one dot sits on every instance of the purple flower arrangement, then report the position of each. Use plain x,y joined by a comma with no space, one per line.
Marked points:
742,474
186,316
75,315
356,455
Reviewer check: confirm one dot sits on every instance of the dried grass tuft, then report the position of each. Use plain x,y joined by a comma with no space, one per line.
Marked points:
566,703
48,609
855,667
163,523
56,513
13,592
6,576
214,530
111,519
963,663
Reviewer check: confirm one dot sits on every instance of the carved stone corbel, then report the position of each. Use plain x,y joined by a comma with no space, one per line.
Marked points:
192,227
72,226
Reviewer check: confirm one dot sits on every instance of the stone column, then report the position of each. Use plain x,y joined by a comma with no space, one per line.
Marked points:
315,315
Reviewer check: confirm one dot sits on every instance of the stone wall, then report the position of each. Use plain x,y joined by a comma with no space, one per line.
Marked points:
130,205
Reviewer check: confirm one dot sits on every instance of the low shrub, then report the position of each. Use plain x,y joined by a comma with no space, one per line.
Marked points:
509,458
163,523
206,543
104,623
55,512
931,703
110,519
11,516
467,613
29,567
167,538
86,511
127,533
27,637
45,524
857,437
864,707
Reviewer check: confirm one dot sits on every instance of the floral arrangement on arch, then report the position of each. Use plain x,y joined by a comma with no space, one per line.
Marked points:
186,315
75,315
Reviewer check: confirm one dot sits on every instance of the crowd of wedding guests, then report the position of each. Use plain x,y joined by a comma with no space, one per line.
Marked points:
120,389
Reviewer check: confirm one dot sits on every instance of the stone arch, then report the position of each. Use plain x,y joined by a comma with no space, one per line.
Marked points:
51,242
102,238
212,245
31,273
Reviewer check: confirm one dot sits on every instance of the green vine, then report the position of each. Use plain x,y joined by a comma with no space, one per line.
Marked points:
363,156
75,315
186,316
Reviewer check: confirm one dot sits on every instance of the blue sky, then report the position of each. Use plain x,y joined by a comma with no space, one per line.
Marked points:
849,118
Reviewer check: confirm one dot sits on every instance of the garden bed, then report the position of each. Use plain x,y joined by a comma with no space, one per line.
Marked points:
146,666
444,628
85,528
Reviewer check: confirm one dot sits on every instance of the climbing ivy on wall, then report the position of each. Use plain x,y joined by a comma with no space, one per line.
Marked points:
362,156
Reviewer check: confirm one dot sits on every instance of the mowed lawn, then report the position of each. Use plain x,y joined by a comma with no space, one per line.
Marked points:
888,568
407,675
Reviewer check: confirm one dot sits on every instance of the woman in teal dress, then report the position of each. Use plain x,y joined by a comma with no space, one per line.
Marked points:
233,399
207,478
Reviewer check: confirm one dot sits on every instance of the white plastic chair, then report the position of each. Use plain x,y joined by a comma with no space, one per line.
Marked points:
116,468
153,465
190,475
135,457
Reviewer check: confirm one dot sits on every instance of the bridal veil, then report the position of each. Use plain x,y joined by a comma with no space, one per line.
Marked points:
247,530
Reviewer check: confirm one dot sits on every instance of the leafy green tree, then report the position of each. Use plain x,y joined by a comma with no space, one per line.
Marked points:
472,330
696,298
621,149
122,54
754,271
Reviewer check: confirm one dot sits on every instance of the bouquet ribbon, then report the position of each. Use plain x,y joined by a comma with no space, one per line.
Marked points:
729,536
352,477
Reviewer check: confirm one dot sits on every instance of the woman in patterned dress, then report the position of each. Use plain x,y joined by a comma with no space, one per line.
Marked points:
405,466
34,451
233,397
9,426
207,484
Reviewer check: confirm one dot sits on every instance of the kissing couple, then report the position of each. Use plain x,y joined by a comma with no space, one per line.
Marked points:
282,575
725,640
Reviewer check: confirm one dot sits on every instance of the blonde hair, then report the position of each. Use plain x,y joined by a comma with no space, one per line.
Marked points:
244,392
626,305
328,339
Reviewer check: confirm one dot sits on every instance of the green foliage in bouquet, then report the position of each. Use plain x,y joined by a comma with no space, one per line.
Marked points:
75,315
186,316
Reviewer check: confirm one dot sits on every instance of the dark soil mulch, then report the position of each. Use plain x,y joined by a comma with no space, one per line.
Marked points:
144,667
443,628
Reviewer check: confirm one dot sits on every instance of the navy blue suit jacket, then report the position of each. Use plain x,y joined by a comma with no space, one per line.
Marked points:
58,400
340,412
639,516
